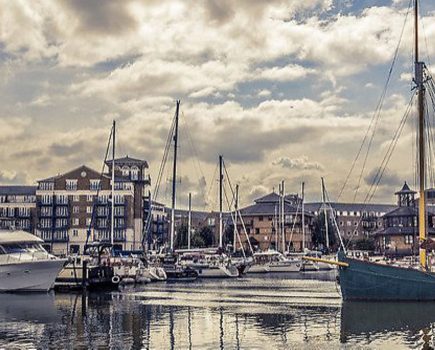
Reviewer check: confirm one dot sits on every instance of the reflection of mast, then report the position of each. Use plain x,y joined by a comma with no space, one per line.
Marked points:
236,208
303,215
189,221
189,327
237,333
112,217
171,328
221,329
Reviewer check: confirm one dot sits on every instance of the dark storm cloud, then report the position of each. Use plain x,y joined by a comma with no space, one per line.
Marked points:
389,178
102,16
244,141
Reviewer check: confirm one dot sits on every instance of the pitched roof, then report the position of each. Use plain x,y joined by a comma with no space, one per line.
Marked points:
269,208
402,211
405,189
18,190
84,167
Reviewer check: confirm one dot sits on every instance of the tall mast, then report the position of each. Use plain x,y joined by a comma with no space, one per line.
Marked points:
325,213
283,216
236,208
278,226
303,215
189,222
174,176
112,214
419,67
221,178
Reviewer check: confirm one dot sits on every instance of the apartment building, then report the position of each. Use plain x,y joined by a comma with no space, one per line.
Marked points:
74,208
18,207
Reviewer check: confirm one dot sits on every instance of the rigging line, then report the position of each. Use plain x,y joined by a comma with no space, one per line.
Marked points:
430,140
425,41
192,145
381,103
159,178
383,166
212,182
93,215
294,222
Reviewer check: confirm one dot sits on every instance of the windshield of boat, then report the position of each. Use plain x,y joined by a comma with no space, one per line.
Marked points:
17,248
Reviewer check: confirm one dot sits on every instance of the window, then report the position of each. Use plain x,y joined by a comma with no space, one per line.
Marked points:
349,223
257,231
88,221
409,239
46,199
75,209
260,218
89,210
125,170
46,211
270,218
95,185
76,198
134,173
341,223
355,223
71,185
248,230
75,232
46,186
90,198
76,221
61,199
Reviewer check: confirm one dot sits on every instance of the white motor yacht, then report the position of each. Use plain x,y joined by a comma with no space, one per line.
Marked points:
24,264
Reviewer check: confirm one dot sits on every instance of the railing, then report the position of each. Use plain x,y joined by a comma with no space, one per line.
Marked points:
22,257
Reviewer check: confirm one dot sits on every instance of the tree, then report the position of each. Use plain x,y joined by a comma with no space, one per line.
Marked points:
181,237
203,238
319,232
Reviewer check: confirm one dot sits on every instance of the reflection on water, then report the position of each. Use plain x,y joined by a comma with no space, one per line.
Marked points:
249,313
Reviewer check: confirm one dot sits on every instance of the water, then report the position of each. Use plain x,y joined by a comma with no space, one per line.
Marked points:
254,312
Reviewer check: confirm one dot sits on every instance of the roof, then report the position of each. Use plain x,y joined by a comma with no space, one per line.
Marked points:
274,198
268,208
52,178
129,160
18,190
405,189
402,211
18,236
315,206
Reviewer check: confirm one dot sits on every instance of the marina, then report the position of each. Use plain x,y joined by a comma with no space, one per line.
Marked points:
297,312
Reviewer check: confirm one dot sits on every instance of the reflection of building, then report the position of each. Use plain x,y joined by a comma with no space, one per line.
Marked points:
260,221
78,202
400,233
18,207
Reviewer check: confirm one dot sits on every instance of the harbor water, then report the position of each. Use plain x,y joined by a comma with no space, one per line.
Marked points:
295,311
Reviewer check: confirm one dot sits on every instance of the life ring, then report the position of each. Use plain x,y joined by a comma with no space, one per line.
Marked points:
116,279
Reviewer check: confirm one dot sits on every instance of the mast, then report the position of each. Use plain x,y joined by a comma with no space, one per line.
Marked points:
189,221
303,215
278,226
112,214
419,67
283,216
325,213
236,208
174,176
221,176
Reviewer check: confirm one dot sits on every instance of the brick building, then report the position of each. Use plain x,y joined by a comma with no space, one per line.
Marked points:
73,205
261,219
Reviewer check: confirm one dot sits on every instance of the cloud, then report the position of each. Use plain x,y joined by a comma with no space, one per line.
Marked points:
300,163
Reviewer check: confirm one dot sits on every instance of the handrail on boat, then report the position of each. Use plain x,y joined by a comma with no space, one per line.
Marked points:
331,262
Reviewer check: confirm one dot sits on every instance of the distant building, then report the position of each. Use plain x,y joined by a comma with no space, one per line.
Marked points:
261,223
18,207
399,236
75,207
355,220
158,230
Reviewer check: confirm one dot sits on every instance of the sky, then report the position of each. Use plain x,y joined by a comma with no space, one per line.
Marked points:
283,89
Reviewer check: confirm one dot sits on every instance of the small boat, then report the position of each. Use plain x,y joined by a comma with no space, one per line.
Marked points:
208,263
25,266
274,261
176,272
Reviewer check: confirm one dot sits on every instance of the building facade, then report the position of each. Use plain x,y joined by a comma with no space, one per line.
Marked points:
74,208
261,221
18,207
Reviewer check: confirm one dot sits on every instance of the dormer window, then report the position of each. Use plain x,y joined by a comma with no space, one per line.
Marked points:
134,173
125,170
95,185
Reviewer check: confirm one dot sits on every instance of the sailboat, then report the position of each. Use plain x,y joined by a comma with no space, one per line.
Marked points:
365,280
211,262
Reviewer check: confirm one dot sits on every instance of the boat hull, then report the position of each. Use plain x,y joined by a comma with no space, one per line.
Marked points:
363,280
32,276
